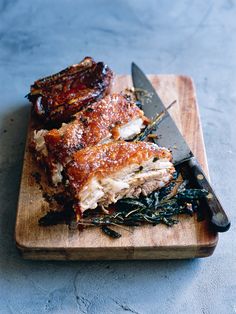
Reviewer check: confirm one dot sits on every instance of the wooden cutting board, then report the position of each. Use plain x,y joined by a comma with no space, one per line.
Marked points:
188,239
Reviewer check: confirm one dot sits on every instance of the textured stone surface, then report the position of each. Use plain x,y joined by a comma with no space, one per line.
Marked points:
196,38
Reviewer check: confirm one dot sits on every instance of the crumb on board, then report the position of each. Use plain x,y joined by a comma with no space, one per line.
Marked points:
152,136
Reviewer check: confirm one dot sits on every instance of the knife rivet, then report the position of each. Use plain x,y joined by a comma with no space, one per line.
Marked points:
210,196
200,177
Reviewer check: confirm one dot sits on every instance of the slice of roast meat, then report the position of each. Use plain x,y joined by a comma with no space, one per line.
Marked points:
115,117
57,97
103,174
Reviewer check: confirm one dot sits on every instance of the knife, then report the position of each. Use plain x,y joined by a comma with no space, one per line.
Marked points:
170,136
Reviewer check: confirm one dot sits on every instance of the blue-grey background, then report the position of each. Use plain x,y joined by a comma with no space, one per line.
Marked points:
197,38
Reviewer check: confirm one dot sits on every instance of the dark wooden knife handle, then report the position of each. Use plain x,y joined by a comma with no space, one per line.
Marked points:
219,218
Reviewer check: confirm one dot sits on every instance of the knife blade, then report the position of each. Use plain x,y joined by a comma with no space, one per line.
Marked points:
170,136
168,133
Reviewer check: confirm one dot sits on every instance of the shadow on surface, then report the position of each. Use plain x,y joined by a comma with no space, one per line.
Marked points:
12,142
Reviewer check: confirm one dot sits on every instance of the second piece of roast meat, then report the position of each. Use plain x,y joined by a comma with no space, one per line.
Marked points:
115,117
57,97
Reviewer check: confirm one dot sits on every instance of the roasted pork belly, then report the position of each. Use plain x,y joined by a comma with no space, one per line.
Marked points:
57,97
113,118
103,174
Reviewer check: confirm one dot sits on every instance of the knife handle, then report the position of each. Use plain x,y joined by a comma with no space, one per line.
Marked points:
219,218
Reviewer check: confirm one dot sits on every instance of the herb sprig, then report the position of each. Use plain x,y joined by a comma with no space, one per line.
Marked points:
159,207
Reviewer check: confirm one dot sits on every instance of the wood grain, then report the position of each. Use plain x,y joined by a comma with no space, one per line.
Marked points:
188,239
